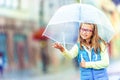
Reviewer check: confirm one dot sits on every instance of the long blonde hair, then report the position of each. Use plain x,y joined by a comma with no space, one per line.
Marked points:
95,39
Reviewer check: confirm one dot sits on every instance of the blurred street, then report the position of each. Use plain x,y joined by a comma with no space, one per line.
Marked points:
68,74
28,55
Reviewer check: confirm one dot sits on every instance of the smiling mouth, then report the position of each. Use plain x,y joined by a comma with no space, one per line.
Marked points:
85,35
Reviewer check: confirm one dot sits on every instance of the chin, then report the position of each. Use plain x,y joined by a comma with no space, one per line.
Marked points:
84,37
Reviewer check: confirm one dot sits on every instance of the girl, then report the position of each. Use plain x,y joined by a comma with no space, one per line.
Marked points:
91,52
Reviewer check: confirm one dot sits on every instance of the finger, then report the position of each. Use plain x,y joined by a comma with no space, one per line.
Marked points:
54,45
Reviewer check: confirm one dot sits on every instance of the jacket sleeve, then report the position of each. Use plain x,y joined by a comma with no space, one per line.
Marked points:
72,53
103,63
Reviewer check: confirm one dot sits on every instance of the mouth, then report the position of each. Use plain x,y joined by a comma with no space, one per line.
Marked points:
85,35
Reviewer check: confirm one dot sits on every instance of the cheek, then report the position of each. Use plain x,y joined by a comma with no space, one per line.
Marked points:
80,33
90,35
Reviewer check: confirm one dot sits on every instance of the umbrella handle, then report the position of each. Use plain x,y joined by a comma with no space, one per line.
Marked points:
80,1
63,39
81,57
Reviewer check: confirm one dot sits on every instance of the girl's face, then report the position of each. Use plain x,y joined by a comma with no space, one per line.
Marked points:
86,31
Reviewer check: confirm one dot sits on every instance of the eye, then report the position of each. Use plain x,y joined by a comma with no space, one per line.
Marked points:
86,30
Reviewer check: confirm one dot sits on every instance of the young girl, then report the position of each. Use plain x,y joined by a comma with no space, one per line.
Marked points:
91,52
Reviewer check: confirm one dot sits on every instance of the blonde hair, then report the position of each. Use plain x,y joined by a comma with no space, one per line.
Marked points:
95,39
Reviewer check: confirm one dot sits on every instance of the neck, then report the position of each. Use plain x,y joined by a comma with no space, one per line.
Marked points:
88,41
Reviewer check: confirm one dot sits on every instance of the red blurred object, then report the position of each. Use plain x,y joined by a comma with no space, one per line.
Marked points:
38,34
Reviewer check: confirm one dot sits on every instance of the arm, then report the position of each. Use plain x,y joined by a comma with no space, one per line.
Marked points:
71,53
103,63
68,54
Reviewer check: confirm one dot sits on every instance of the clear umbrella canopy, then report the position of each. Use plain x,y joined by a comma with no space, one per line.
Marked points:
64,25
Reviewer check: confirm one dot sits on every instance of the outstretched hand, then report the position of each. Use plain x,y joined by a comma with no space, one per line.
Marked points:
59,46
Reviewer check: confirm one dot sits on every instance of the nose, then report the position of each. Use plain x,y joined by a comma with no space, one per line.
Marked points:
83,32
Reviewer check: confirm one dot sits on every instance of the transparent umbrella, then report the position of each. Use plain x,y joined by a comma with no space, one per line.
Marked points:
64,25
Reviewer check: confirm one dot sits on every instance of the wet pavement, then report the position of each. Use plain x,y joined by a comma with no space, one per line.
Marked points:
68,74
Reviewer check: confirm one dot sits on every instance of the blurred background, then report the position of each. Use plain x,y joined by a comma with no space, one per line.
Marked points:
27,55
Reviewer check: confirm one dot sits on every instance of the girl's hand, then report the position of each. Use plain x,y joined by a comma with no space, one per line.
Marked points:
82,64
59,46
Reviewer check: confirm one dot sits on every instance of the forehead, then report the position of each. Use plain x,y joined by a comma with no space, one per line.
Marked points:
88,26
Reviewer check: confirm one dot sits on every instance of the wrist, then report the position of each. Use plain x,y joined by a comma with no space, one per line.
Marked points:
62,49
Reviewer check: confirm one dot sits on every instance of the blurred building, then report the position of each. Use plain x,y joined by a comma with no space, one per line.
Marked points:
49,7
18,19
